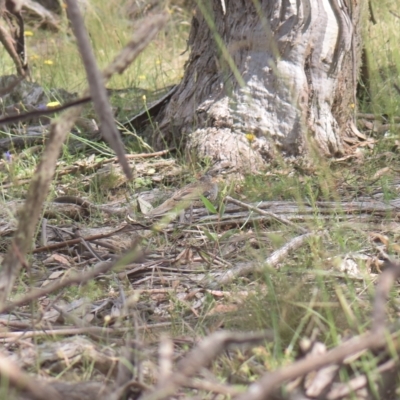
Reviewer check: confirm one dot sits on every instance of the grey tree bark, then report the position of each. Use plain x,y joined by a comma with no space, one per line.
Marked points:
265,78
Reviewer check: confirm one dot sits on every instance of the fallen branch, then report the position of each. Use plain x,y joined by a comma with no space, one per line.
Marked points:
374,340
39,187
20,380
71,242
200,357
278,218
272,261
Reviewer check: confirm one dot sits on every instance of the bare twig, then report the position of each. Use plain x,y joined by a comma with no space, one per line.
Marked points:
43,237
38,190
14,336
38,113
93,331
71,242
269,382
250,267
376,339
166,353
386,281
18,379
393,13
7,41
200,357
340,391
212,387
148,30
96,85
52,287
278,218
14,43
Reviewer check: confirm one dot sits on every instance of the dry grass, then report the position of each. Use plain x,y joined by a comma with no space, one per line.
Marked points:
309,291
55,60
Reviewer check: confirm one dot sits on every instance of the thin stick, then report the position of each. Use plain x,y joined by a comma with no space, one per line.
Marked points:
98,91
17,378
201,356
278,218
272,261
269,382
52,287
41,180
71,242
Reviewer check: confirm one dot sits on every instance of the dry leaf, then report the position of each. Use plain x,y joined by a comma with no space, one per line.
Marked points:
53,276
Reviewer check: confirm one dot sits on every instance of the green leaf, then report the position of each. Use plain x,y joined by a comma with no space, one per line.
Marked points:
210,207
210,235
222,209
226,235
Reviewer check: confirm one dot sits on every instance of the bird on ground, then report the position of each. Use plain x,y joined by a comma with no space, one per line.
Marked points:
189,195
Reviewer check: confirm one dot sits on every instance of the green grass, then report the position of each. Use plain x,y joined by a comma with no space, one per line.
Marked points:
381,42
308,295
55,60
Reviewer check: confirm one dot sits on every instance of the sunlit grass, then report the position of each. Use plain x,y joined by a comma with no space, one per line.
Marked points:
381,43
54,59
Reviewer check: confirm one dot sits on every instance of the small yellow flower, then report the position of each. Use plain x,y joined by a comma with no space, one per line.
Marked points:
53,104
34,57
158,62
142,77
250,137
352,105
28,33
48,62
144,98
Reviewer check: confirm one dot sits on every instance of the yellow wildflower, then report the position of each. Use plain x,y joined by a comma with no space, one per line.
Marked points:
53,104
250,137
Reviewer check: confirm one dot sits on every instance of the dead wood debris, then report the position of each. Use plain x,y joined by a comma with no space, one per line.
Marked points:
169,269
201,356
244,269
376,339
281,219
29,215
381,340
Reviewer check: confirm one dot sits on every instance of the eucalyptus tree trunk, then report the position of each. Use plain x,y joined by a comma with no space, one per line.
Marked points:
267,77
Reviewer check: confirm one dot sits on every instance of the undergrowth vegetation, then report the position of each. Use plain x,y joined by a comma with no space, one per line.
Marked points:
314,292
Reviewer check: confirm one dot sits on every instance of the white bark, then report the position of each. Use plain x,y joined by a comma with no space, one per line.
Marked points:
285,74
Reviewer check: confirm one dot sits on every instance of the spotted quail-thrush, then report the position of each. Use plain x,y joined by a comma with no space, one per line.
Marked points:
188,196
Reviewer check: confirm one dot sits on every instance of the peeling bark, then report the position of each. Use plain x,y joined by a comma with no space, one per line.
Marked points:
277,78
